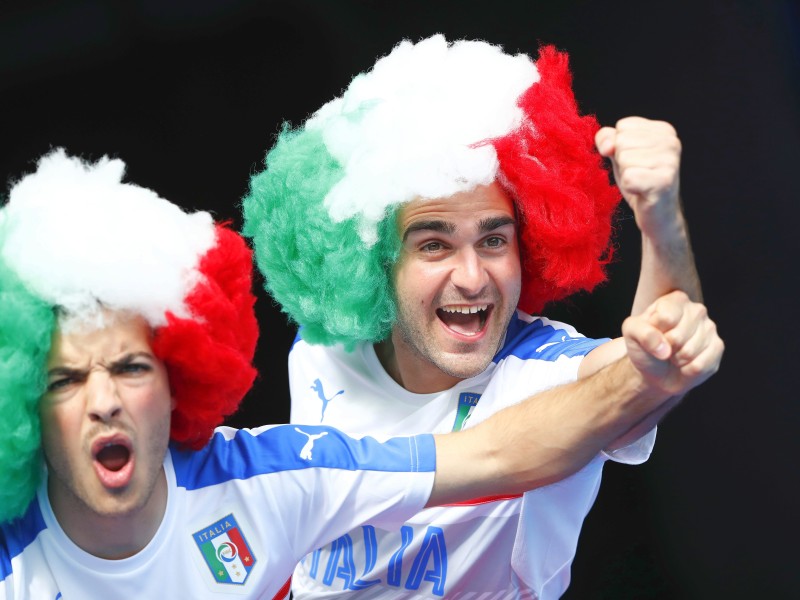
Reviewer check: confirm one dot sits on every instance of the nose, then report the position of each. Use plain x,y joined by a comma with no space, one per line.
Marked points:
469,273
102,397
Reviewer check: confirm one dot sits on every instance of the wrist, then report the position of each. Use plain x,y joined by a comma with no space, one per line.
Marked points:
628,395
663,221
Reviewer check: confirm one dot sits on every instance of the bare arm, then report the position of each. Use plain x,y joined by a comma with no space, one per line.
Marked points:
645,156
555,433
690,329
541,440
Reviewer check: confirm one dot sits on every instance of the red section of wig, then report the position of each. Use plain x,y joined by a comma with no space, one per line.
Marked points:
564,200
209,356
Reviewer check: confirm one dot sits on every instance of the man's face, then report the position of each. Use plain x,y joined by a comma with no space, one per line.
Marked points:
457,283
105,420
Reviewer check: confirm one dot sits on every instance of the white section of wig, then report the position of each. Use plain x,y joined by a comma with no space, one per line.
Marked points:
84,241
418,125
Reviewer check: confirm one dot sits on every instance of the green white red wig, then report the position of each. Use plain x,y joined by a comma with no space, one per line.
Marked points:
76,241
429,120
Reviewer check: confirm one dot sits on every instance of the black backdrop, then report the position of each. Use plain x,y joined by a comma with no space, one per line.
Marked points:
191,93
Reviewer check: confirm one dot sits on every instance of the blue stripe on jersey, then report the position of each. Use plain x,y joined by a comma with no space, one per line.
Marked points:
291,447
17,535
543,342
297,338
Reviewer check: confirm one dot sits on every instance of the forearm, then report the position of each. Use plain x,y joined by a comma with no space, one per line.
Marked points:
645,156
641,429
543,439
605,355
667,263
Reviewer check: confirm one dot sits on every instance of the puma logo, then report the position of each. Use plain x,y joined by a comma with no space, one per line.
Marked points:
317,387
305,452
547,345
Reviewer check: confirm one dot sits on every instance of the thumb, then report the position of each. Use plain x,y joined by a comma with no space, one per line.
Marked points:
606,141
644,340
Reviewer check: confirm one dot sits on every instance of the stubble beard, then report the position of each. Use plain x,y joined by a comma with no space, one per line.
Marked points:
458,365
116,503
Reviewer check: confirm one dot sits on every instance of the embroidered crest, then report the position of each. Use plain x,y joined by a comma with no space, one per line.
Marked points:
467,401
225,550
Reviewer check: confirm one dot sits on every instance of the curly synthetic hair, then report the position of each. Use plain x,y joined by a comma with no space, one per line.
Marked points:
208,356
323,212
190,278
318,269
560,188
26,328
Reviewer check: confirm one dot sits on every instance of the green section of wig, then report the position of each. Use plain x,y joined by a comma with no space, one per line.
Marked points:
321,272
26,328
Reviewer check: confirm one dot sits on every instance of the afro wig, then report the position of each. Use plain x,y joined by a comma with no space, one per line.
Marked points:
74,242
429,120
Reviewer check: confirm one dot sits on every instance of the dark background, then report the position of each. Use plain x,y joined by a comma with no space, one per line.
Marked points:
191,93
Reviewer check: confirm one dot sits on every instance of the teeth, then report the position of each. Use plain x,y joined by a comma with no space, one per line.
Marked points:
465,310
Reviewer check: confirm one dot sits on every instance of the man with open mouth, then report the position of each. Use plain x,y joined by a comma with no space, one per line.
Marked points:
411,228
127,333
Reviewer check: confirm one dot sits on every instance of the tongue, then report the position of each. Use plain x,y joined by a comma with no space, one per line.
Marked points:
113,458
459,322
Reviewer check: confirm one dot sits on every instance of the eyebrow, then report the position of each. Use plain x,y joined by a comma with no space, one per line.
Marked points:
124,360
491,223
437,225
65,371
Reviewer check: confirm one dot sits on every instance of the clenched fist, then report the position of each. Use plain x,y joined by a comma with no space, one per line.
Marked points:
646,157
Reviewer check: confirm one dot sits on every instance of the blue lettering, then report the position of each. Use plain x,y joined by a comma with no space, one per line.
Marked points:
315,563
341,548
433,547
370,558
395,572
429,564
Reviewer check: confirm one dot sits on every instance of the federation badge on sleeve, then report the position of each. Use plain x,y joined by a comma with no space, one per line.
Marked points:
225,550
467,401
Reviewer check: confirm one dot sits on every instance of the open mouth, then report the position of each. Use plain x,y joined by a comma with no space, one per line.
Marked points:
113,460
113,456
467,320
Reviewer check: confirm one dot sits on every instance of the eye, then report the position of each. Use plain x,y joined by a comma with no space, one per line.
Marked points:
131,368
432,247
59,384
494,241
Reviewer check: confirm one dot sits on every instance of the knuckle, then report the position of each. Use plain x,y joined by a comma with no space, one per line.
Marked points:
694,370
628,325
668,129
627,180
682,358
624,122
702,312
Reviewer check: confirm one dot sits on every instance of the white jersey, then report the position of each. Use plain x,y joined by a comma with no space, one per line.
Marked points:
491,548
240,513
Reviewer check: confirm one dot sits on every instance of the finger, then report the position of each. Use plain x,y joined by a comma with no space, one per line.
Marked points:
605,140
688,344
637,124
666,312
654,136
641,336
649,157
703,365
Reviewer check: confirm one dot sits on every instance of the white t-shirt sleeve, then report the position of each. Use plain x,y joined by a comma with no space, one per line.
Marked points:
321,483
635,453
